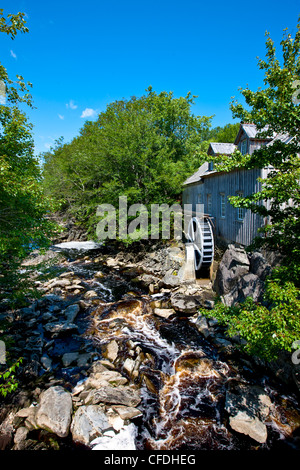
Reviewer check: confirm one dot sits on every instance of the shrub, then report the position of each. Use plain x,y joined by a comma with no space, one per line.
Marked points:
267,328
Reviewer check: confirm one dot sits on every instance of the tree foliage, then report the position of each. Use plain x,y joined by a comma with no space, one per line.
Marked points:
23,206
276,113
223,134
273,326
142,148
267,329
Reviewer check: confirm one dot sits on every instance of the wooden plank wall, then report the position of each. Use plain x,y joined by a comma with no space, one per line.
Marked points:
229,228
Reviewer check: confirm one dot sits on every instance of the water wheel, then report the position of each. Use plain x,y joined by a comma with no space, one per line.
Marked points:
200,233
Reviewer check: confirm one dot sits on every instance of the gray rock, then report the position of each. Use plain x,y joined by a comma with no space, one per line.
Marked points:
112,351
234,264
259,265
88,423
67,274
30,421
55,410
248,407
46,362
71,312
90,294
252,286
104,378
253,398
171,280
243,423
123,395
202,326
164,312
249,285
185,304
6,431
20,438
58,283
60,328
48,317
222,343
84,359
127,412
69,358
124,440
24,412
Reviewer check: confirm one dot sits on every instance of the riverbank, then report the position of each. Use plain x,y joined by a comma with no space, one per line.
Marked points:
115,352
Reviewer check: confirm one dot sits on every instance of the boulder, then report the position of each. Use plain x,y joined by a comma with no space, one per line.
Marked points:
171,279
60,328
88,423
58,283
127,412
20,438
164,312
186,305
30,421
243,423
259,265
252,286
234,264
71,312
69,358
104,378
6,431
112,350
202,326
55,410
248,407
249,285
124,440
123,395
84,359
90,294
46,362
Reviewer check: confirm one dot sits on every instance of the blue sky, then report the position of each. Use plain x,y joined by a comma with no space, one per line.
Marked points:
82,55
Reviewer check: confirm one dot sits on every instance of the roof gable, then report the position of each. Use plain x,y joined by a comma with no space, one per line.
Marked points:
251,132
246,130
221,148
197,175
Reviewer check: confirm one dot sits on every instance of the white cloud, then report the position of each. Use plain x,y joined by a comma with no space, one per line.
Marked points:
88,112
71,105
13,54
61,117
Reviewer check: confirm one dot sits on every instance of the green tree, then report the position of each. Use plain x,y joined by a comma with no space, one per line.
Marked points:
23,206
226,133
268,329
276,113
273,326
142,148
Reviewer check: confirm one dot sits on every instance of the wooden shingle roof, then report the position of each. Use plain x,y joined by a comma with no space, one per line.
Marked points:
221,148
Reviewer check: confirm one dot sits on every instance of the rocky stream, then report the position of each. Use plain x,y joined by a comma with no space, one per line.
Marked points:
116,356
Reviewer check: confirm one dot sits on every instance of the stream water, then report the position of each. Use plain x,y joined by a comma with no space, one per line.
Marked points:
182,377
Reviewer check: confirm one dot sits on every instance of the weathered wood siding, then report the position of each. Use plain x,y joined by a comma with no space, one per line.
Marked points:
229,227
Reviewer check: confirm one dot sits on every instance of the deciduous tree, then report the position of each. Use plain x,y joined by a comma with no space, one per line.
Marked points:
23,206
275,110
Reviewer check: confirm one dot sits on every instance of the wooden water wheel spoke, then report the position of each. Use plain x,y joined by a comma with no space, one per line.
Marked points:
201,235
